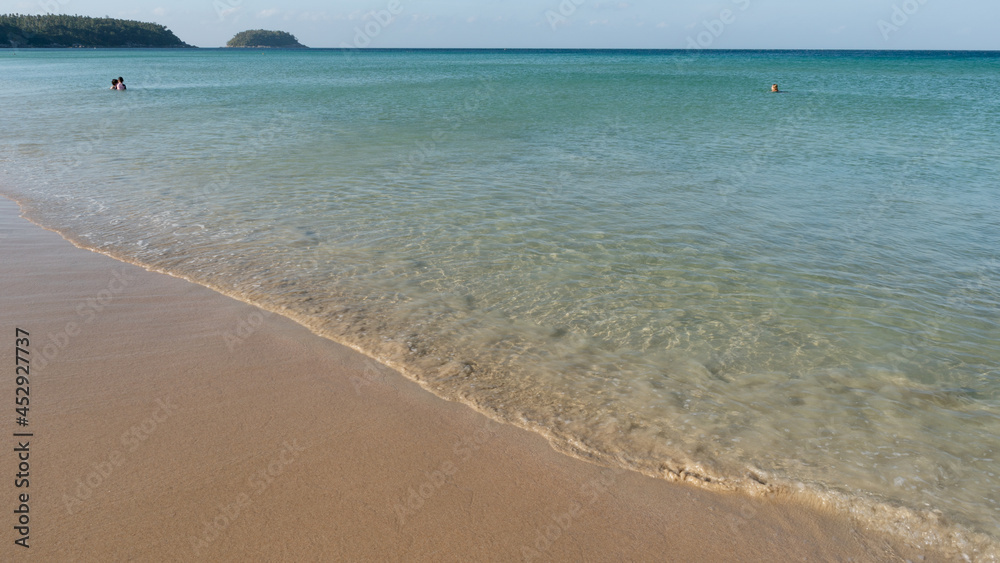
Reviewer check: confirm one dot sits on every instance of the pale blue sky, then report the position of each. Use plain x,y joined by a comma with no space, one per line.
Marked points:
663,24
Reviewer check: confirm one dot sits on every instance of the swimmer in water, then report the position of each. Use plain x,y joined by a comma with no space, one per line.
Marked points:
774,88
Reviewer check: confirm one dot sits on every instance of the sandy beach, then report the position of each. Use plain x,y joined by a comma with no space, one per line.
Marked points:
172,423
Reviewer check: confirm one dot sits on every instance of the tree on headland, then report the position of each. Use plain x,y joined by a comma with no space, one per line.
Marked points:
19,31
256,38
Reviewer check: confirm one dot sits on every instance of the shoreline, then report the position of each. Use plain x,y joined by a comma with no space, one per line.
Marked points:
381,468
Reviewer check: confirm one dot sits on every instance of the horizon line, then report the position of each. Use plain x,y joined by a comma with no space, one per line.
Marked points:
646,49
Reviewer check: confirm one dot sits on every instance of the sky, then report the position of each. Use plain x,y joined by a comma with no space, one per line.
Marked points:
634,24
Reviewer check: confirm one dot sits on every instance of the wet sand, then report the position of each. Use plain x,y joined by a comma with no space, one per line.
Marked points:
173,423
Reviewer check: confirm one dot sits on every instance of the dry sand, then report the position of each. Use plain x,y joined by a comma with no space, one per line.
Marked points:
172,423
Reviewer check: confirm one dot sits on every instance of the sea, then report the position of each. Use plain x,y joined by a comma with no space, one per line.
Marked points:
645,256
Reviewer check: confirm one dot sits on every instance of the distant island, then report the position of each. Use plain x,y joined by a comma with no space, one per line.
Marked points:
263,38
20,31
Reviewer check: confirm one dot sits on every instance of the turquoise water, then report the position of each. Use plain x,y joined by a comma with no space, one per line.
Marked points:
646,257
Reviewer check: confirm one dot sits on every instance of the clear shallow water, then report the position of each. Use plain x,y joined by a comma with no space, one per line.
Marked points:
646,257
